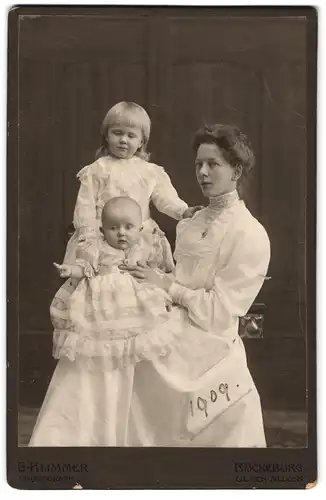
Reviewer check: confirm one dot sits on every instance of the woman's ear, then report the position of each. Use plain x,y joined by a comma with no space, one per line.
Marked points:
237,172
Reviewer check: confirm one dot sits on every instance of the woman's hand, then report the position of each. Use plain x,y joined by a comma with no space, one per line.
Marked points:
144,273
187,214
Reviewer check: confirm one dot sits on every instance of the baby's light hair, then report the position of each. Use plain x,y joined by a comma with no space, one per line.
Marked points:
113,202
133,114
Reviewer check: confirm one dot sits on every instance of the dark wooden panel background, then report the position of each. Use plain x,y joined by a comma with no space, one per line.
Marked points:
186,70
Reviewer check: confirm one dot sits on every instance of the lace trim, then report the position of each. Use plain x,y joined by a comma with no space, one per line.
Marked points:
224,200
125,347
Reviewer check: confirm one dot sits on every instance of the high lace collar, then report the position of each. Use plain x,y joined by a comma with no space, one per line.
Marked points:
218,203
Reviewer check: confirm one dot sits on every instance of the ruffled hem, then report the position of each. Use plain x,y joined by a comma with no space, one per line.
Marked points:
125,347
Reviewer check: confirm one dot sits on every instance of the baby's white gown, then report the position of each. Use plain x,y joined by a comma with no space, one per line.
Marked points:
103,324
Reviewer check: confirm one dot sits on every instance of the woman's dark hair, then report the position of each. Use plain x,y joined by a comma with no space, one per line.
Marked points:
235,145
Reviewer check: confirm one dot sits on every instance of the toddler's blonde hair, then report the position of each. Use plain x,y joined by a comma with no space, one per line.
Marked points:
132,113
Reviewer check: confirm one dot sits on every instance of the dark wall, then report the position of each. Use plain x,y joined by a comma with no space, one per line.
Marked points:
186,70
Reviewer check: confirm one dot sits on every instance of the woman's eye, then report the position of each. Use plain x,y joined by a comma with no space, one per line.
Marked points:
212,164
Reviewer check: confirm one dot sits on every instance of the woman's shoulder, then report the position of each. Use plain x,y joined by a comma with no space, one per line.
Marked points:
183,223
250,230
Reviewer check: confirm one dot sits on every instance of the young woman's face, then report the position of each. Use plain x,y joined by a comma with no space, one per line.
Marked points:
124,140
214,174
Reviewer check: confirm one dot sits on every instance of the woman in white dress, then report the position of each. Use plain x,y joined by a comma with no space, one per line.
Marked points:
202,393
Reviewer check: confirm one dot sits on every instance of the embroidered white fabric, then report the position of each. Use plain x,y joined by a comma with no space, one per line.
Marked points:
219,275
141,180
109,314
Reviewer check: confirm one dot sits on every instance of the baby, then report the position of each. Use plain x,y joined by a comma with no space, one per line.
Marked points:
105,312
121,228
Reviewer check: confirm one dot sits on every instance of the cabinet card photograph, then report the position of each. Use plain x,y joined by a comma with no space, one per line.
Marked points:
161,247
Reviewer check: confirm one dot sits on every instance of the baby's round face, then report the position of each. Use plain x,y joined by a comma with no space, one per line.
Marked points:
121,226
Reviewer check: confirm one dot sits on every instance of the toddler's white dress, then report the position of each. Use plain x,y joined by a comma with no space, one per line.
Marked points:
109,177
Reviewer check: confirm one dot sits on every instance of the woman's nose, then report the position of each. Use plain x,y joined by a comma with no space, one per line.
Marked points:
203,171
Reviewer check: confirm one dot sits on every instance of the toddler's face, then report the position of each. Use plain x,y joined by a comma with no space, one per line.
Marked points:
122,227
124,139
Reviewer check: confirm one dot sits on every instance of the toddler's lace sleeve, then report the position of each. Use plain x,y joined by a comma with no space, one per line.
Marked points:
158,252
85,222
85,209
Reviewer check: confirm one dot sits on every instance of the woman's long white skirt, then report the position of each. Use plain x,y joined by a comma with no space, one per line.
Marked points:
85,406
169,402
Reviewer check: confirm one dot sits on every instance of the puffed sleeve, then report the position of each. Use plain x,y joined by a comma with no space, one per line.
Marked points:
158,252
85,221
85,209
165,196
87,255
235,287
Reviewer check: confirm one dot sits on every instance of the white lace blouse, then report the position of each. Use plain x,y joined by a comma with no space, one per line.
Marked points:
222,256
108,177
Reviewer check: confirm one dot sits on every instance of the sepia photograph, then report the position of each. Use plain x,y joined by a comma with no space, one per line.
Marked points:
164,222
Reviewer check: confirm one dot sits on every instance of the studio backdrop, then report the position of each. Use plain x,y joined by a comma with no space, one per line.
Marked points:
186,70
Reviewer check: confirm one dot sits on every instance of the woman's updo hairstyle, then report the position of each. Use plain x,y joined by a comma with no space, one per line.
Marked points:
235,145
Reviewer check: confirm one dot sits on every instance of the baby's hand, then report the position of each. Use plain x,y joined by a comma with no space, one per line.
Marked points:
63,269
142,263
187,214
152,264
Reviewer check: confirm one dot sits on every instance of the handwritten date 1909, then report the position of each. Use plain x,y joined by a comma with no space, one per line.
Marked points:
202,404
